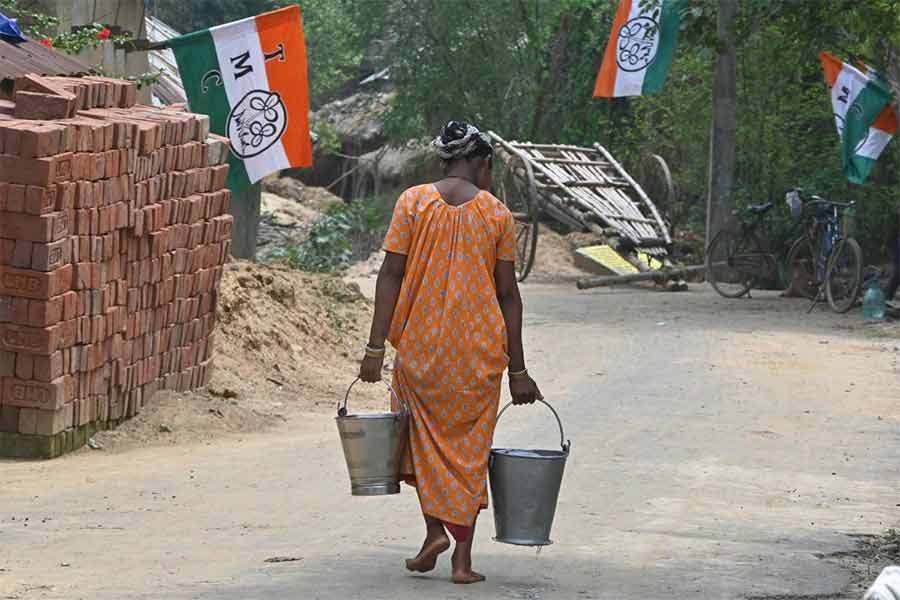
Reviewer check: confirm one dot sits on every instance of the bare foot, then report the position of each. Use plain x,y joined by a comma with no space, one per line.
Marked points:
427,557
468,576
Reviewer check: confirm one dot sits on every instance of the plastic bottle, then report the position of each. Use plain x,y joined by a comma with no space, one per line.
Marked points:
873,300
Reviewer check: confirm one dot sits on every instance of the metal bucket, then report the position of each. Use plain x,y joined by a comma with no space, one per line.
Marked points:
524,489
373,446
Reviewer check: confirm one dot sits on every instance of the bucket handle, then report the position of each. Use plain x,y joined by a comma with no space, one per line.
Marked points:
563,443
342,410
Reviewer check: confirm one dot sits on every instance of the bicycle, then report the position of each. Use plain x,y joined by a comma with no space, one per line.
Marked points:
825,262
738,259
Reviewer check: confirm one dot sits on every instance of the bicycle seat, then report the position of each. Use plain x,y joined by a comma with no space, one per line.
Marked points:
759,209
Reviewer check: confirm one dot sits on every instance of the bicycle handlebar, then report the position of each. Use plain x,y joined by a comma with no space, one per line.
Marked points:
812,200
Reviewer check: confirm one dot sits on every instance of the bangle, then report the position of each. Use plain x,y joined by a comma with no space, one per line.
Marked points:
522,373
375,352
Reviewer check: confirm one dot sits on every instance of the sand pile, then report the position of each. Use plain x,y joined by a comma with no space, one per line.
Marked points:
287,344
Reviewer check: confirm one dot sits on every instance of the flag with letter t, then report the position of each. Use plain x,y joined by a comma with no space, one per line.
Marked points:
250,78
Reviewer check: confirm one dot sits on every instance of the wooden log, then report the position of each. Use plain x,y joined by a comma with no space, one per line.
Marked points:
658,276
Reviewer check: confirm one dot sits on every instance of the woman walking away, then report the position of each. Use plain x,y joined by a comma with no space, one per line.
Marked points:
448,301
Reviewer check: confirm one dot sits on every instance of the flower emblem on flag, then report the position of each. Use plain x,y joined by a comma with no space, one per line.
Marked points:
256,123
637,44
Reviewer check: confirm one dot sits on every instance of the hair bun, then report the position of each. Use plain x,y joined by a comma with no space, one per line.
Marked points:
454,130
459,139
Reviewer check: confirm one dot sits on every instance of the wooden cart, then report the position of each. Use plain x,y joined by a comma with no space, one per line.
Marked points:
586,189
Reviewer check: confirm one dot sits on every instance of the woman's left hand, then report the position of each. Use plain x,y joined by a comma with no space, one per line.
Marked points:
524,390
370,370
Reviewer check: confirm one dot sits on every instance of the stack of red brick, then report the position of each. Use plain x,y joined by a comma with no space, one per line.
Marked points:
113,233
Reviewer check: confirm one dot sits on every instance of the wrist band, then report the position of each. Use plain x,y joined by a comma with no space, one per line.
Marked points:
522,373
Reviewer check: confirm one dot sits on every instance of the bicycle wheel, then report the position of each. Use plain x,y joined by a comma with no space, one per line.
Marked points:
725,262
514,195
844,275
801,266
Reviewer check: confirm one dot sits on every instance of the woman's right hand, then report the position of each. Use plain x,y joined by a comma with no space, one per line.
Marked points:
524,390
370,370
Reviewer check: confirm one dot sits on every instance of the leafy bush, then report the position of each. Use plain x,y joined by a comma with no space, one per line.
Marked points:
344,233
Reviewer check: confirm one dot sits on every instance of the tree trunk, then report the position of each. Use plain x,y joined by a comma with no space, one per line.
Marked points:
724,125
558,60
245,208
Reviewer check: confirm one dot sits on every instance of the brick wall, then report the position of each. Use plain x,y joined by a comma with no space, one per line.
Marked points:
113,233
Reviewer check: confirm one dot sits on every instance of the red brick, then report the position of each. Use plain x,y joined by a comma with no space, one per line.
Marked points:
21,257
65,197
28,421
7,364
39,200
38,394
34,228
21,338
15,198
24,366
70,305
51,422
43,107
84,195
219,177
37,140
42,313
7,248
48,368
11,139
19,311
31,284
129,96
36,171
9,419
41,85
96,166
52,255
113,163
113,190
83,275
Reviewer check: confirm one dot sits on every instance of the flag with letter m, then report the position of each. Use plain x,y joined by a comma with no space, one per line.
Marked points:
250,78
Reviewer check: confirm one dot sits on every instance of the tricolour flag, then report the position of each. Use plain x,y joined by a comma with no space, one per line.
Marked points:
640,48
865,121
250,78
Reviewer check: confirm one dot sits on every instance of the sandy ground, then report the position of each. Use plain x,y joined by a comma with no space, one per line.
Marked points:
721,449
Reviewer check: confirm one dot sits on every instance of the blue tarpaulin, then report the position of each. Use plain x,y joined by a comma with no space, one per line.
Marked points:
9,30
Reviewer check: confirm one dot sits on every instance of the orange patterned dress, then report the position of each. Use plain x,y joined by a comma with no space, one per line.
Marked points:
451,343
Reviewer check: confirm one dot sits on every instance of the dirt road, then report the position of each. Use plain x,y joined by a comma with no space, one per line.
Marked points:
721,449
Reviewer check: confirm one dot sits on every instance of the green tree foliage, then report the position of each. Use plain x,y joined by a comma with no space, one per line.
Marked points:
526,68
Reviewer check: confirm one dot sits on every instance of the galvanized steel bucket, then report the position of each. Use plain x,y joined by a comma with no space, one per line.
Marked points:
373,446
524,489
